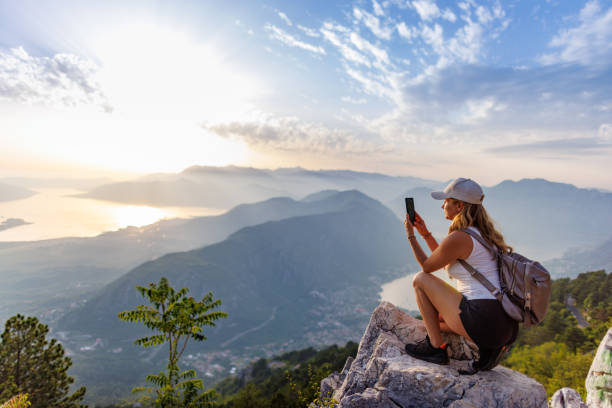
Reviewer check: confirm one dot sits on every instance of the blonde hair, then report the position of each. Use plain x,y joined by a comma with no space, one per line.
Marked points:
475,215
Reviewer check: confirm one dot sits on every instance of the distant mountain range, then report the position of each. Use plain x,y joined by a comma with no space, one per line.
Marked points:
300,281
75,183
539,218
576,261
10,192
38,274
276,279
224,187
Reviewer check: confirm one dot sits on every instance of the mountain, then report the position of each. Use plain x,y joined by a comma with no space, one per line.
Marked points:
9,192
306,279
223,187
75,183
38,275
12,223
539,218
576,261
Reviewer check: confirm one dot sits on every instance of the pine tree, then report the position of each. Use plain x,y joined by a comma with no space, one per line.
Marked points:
32,364
175,318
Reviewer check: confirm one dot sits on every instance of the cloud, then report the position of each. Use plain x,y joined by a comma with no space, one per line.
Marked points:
427,9
292,134
359,101
589,43
284,17
282,36
309,31
472,104
64,80
481,109
407,32
605,132
373,23
566,147
364,45
333,33
377,9
449,16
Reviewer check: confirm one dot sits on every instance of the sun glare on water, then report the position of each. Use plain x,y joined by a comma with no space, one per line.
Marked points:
138,216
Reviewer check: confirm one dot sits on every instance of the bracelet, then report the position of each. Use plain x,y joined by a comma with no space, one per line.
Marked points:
426,235
411,236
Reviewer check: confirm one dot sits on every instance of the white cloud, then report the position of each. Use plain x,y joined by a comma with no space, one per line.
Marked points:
377,9
364,45
427,9
284,17
480,109
309,31
355,101
292,134
64,80
435,37
605,132
373,23
282,36
347,52
377,86
590,43
449,16
484,15
407,32
467,43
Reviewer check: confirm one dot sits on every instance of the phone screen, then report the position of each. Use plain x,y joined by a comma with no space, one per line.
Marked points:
410,209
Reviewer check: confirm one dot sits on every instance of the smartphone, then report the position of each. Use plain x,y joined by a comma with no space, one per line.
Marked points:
410,209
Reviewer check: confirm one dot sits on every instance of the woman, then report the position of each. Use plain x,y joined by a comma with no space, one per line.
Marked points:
470,310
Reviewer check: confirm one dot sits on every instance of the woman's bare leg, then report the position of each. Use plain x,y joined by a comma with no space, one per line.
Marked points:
437,299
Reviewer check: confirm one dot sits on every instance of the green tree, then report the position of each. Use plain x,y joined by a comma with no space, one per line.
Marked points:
29,363
553,365
176,319
18,401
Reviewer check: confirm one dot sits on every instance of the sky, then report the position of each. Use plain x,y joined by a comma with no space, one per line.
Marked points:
437,89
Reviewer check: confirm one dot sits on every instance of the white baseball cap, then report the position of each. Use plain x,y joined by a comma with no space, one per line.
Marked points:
461,189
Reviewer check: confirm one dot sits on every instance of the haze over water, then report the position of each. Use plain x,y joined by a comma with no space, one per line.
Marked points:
53,213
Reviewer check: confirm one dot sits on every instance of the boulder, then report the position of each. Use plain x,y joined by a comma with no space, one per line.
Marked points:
567,398
599,380
383,375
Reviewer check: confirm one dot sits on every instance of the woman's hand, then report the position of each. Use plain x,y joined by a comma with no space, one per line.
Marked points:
408,225
419,224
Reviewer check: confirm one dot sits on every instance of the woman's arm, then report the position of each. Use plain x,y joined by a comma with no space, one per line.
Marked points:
420,226
457,245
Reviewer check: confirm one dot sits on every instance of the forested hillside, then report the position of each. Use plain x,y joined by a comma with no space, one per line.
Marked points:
291,380
557,353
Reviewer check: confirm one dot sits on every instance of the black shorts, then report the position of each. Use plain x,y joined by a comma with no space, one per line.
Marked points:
486,322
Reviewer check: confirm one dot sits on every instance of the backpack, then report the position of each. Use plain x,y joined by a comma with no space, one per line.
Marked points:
525,284
524,295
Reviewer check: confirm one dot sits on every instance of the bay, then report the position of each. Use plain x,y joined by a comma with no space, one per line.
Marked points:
54,213
401,293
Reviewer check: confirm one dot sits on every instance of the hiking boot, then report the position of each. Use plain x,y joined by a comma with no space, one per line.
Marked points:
423,350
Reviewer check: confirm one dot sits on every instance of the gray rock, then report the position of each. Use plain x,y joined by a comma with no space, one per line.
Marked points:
567,398
383,375
599,380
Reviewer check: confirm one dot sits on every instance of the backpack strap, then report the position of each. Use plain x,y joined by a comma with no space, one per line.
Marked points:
482,279
474,272
480,239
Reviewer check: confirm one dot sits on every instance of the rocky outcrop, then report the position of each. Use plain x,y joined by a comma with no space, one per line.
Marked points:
567,398
382,375
599,379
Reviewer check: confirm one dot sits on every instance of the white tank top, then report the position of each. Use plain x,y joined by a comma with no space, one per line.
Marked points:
482,260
